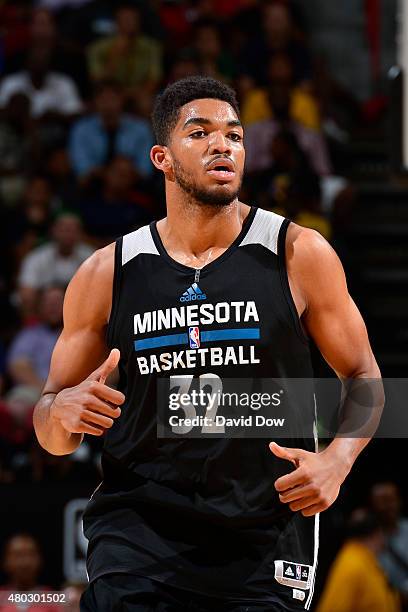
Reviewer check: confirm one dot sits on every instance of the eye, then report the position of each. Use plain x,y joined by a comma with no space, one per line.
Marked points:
198,134
235,137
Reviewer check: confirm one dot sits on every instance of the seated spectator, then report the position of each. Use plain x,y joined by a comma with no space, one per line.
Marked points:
176,20
61,176
260,135
183,65
289,185
15,33
48,92
30,353
130,58
356,582
386,503
29,222
52,263
280,99
22,563
277,36
210,56
17,146
66,55
305,204
117,206
97,139
15,128
16,425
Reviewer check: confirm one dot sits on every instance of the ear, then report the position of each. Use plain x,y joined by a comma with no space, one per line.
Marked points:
161,158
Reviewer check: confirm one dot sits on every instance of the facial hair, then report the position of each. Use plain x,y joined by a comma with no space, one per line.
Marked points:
217,198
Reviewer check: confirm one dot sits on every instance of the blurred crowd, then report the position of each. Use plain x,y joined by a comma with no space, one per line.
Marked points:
77,83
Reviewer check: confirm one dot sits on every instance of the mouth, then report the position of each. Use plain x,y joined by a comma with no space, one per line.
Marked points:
222,170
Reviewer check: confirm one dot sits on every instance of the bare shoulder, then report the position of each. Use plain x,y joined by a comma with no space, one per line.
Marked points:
100,262
307,243
314,267
306,249
89,294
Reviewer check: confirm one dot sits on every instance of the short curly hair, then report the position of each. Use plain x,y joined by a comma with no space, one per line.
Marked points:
167,106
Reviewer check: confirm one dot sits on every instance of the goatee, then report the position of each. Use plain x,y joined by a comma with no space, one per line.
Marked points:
208,197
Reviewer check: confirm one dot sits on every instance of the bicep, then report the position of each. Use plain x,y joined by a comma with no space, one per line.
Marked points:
82,347
75,356
341,336
331,317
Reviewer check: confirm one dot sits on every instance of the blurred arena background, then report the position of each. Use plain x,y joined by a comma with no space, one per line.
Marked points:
321,90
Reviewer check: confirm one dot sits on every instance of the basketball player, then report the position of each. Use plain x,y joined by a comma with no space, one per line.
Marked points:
201,524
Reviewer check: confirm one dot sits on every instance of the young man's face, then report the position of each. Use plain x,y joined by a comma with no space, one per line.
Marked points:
207,151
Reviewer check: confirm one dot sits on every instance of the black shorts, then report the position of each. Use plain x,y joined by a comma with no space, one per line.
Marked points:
127,593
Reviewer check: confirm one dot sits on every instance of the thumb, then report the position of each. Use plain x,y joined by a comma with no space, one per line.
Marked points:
107,367
291,454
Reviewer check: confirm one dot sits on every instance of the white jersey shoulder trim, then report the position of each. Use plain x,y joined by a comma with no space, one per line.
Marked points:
138,242
264,230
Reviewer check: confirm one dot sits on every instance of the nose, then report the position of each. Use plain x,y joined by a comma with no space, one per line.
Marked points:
218,143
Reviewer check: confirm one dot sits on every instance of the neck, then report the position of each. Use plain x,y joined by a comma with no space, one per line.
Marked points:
191,230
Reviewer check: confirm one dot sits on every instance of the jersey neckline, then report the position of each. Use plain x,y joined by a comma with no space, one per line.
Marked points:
215,262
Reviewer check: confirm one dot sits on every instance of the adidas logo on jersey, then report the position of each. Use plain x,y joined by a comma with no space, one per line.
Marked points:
289,571
193,294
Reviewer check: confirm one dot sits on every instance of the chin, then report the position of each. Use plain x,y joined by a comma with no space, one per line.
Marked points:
218,197
214,194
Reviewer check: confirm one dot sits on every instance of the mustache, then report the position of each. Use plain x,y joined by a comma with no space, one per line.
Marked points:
219,157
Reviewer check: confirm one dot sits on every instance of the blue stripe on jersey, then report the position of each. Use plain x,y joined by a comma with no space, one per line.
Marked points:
246,333
171,339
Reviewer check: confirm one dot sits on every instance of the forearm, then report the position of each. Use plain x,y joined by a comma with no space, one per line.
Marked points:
361,411
51,435
344,451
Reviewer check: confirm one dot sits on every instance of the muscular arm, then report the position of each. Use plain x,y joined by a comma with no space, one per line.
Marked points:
330,316
79,350
319,287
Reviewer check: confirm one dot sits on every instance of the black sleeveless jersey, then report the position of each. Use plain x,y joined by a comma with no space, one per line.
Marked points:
202,514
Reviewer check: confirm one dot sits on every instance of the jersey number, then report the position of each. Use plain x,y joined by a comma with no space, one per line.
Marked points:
183,382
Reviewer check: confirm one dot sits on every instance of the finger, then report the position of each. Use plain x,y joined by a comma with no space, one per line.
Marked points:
295,478
89,429
302,504
103,371
312,510
299,492
97,405
97,419
107,393
109,365
290,454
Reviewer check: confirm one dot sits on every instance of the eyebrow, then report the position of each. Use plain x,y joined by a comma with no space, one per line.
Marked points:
204,121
